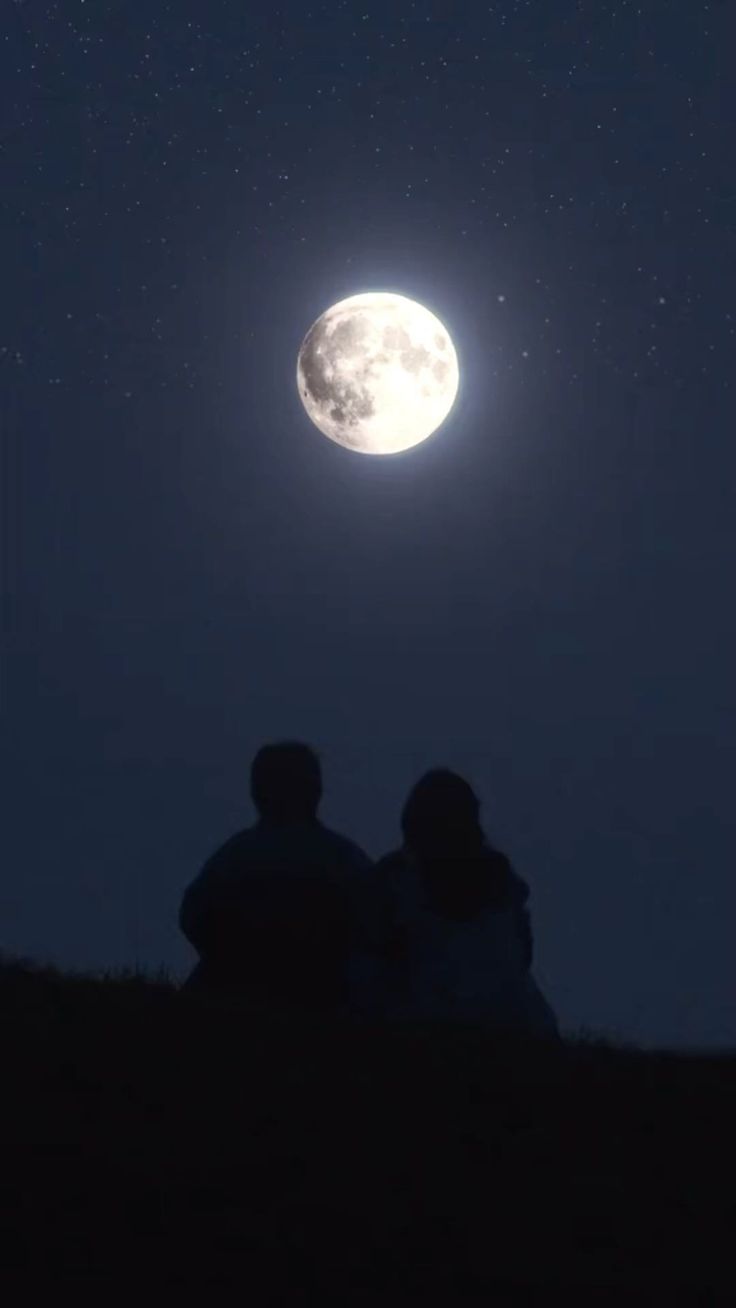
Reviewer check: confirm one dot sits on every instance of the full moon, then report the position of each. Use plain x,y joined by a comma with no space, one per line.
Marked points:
377,373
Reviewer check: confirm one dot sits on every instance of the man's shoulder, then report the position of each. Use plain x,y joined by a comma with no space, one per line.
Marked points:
237,846
344,850
390,869
264,846
393,862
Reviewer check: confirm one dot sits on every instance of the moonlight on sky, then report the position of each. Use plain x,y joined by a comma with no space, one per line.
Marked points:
377,373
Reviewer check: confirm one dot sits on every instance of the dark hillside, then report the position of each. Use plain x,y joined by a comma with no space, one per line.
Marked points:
155,1141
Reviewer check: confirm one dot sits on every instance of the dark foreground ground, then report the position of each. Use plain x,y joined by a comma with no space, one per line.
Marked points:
151,1142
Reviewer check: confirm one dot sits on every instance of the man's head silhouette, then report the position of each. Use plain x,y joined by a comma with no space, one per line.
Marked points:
286,782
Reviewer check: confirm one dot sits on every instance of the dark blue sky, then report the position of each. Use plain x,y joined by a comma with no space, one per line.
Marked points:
540,595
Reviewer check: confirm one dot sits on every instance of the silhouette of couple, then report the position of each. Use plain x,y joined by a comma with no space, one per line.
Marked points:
290,913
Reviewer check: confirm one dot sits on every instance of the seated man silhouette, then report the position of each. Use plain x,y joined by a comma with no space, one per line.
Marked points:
273,912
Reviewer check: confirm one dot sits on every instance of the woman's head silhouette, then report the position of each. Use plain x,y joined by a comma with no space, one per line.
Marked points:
441,815
461,873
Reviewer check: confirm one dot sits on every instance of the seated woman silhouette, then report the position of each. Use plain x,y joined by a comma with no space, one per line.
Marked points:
453,918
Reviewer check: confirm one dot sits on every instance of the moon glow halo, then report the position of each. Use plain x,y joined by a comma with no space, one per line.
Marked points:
377,373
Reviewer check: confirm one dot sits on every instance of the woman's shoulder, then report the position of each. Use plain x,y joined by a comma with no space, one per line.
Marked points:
514,886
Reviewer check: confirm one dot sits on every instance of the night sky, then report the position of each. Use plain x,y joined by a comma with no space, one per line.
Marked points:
539,596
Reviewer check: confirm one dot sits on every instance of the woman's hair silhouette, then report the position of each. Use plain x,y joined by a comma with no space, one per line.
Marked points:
461,873
442,811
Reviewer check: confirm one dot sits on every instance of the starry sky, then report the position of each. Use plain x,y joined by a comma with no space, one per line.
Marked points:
539,596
